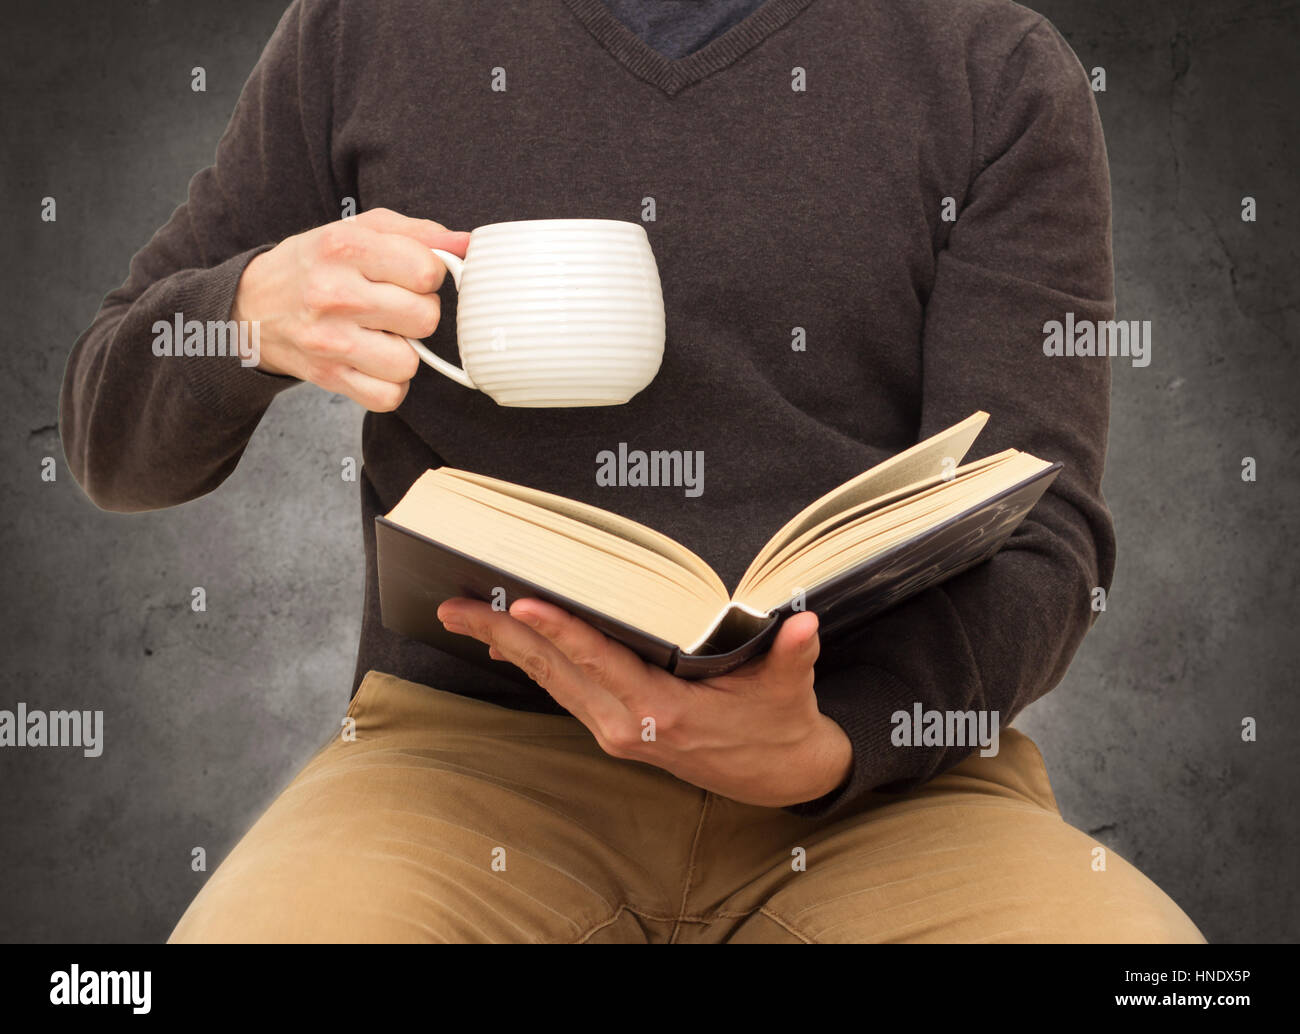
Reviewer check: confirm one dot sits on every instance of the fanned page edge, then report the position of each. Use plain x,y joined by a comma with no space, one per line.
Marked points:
865,510
683,599
952,443
615,524
1018,469
410,590
829,596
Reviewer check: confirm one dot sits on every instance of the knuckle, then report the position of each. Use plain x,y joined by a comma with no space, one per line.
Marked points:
536,667
590,663
430,275
408,363
337,242
609,748
387,397
426,314
324,294
666,718
620,743
326,342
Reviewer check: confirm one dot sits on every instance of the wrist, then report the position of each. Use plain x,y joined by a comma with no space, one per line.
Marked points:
841,752
830,760
244,308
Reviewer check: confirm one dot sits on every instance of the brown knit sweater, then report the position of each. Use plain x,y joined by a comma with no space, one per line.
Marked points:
775,208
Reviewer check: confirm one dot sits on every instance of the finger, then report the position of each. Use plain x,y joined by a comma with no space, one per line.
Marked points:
396,259
512,641
643,691
538,659
350,260
378,396
377,354
381,306
589,650
426,231
391,258
790,660
389,255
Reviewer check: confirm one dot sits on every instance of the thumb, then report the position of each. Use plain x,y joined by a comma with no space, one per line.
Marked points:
795,649
455,241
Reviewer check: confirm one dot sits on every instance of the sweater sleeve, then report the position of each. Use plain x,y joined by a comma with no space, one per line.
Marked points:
142,431
1030,244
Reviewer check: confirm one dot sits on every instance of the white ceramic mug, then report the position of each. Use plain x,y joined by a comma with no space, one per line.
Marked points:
556,312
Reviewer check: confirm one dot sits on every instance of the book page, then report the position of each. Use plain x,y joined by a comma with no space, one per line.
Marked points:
595,517
581,562
852,543
857,513
921,462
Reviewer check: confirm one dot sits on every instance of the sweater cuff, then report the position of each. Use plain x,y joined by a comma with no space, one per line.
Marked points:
860,699
224,382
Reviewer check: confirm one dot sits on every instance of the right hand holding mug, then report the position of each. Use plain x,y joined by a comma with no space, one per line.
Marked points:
336,303
556,313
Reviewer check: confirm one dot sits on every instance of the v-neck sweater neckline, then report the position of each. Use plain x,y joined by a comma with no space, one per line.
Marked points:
674,75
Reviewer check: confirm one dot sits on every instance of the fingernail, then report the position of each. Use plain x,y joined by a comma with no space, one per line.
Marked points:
453,625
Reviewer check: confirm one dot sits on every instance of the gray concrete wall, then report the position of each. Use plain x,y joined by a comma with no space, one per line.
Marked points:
210,714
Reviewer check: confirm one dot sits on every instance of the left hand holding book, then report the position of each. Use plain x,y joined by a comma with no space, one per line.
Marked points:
754,735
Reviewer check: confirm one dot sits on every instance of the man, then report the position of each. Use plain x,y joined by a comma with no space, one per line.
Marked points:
863,214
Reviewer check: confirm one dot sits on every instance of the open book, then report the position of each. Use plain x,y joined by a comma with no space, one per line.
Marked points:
900,527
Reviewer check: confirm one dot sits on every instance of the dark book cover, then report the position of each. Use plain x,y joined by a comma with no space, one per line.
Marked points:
416,574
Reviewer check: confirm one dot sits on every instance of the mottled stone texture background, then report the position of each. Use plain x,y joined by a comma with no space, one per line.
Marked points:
209,715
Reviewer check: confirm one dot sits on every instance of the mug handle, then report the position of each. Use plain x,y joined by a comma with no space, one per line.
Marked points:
455,265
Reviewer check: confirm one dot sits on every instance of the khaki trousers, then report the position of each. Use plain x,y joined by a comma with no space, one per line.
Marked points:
451,819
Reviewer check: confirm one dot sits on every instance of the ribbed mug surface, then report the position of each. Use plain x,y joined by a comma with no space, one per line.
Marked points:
560,312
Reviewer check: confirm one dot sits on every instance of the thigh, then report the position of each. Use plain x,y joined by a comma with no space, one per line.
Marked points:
979,854
447,819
